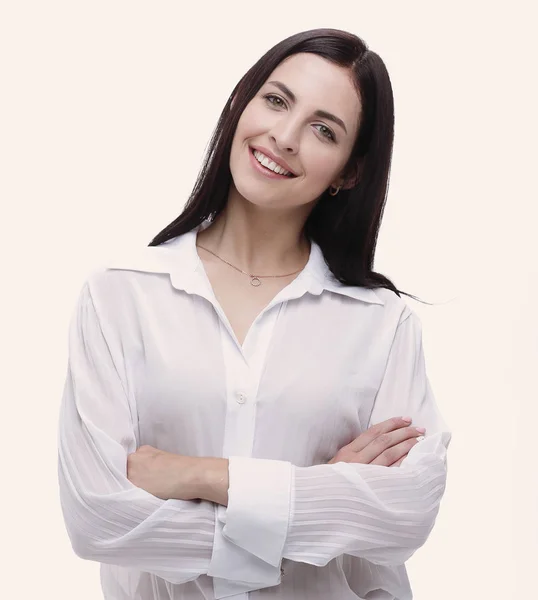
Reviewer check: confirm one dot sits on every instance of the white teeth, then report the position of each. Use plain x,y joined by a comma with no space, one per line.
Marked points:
266,162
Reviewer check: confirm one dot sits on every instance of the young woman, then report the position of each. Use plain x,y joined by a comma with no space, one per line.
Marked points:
236,418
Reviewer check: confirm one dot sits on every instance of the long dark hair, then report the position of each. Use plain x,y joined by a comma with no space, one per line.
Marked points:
345,226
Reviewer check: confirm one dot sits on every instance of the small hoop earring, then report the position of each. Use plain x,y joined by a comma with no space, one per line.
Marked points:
334,193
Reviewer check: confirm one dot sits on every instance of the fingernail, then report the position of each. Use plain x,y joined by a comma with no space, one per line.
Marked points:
407,419
421,429
420,438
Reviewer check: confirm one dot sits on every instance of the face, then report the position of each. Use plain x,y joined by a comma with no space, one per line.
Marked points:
290,119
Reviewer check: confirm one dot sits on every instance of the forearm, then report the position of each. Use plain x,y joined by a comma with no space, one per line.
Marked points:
371,511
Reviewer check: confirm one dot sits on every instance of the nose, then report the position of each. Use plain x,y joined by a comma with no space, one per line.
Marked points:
285,136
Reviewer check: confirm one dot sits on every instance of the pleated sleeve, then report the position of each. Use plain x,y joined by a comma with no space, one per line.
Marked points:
384,514
108,519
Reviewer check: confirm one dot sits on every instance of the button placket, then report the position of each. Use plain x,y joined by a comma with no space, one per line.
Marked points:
243,368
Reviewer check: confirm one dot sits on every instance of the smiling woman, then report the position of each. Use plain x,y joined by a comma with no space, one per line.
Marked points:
319,104
231,419
299,140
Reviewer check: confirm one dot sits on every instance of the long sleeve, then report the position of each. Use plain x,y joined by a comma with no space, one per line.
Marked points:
384,514
109,519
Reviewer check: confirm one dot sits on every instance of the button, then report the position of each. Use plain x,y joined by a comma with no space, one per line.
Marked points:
241,398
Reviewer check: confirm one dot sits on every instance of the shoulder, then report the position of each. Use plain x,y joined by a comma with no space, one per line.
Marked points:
394,314
118,269
394,305
113,280
401,318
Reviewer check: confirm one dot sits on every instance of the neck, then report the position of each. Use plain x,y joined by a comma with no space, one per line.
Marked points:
258,241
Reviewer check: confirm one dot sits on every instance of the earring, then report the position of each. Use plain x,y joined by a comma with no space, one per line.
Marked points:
336,192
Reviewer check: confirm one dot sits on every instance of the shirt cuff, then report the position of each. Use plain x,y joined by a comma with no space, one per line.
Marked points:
259,504
233,569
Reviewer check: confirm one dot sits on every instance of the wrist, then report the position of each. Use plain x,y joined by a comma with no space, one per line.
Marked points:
212,480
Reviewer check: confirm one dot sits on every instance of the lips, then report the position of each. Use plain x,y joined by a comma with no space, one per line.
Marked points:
276,159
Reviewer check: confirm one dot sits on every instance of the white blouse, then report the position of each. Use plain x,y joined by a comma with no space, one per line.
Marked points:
153,360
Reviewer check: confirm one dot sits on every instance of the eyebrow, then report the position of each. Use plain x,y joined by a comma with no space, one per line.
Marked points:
323,114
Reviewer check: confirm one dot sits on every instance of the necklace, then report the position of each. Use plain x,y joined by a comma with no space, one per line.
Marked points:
255,280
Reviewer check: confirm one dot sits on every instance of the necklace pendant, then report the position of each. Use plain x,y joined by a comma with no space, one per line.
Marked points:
255,281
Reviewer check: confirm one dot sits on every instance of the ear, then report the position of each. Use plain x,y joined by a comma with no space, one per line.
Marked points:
351,180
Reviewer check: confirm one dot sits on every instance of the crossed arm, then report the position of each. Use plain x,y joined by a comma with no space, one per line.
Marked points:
172,476
252,512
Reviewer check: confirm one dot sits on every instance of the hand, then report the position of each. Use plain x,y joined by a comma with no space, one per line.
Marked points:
386,443
163,474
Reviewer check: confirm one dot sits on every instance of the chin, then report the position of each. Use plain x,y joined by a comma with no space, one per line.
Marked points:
251,193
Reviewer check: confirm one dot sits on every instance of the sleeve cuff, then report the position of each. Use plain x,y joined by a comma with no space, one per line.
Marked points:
234,570
259,503
434,445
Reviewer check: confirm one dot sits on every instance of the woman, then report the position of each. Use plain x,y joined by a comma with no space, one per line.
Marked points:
233,422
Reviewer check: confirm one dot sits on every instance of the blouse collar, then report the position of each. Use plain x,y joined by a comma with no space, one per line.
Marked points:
179,258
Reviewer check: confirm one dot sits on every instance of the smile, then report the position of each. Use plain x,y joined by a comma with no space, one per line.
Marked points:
269,167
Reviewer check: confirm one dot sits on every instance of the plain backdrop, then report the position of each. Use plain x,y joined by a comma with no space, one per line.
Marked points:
106,111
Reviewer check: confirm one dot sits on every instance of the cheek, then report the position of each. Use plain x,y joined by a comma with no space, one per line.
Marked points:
238,144
246,130
322,167
250,123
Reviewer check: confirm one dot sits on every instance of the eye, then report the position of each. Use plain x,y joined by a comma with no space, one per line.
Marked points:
329,134
269,96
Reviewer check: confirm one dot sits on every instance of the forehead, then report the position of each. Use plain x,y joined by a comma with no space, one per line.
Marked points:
320,84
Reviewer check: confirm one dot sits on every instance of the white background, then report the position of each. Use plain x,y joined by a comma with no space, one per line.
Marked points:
106,110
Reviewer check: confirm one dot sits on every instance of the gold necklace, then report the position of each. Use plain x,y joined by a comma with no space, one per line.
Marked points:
254,279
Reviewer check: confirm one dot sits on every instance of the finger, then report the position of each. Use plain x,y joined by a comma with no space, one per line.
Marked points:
373,432
387,440
395,453
399,462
